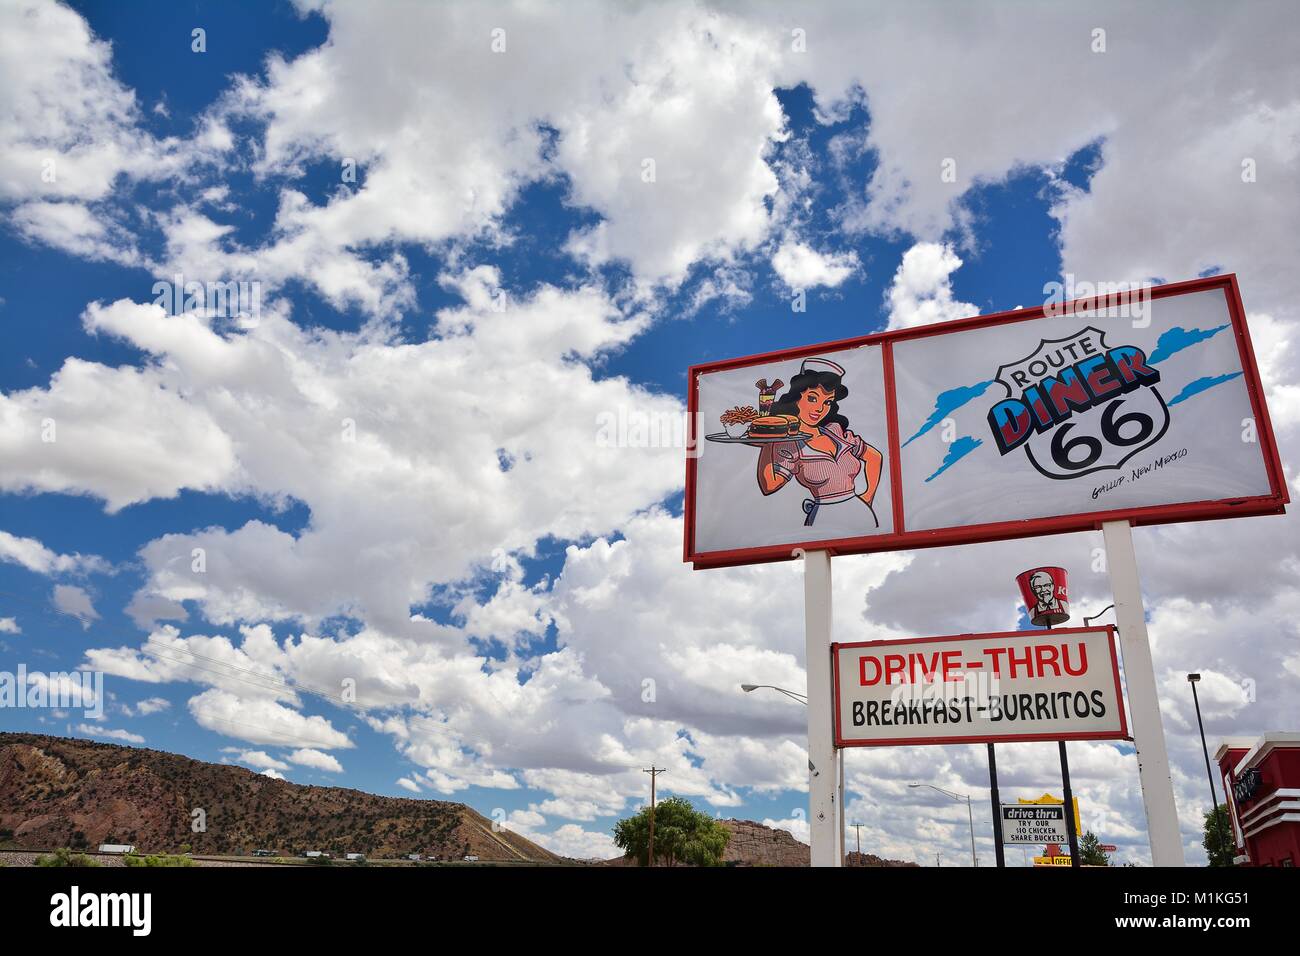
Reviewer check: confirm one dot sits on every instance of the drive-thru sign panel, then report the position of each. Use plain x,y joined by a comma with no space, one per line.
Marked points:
1061,684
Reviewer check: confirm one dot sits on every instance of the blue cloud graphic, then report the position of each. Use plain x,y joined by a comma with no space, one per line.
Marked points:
947,403
1200,385
959,449
1179,338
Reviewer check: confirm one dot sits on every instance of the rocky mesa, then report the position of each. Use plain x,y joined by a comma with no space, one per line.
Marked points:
58,791
753,844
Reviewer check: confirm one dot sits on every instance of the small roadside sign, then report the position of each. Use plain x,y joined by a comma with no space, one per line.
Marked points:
1038,824
1048,799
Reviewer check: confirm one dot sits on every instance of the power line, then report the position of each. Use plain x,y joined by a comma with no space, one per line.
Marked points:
294,740
258,679
267,681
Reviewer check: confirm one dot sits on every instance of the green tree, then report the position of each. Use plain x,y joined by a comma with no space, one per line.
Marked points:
1218,837
1090,851
683,835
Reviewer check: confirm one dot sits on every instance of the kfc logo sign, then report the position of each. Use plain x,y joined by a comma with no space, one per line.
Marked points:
1046,593
1077,406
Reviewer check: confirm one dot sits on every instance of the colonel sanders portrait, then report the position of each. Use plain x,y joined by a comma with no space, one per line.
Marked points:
1044,588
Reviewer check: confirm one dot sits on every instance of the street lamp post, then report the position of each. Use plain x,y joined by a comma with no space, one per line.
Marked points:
1088,620
793,695
1195,679
969,815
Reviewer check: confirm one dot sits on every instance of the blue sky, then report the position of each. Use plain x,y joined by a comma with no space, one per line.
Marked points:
232,170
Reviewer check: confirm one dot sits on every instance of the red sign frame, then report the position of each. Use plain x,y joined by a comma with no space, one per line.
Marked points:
901,539
982,738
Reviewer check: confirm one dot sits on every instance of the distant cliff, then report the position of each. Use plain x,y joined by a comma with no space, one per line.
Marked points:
753,844
58,791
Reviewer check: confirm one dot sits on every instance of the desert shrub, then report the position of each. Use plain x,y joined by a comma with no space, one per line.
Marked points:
157,859
65,857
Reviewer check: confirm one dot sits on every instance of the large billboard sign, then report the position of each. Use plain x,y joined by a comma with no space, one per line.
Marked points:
1060,684
1146,407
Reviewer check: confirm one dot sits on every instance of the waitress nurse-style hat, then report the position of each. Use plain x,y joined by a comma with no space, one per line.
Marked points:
821,365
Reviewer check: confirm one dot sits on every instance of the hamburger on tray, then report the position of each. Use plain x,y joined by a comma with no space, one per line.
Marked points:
774,426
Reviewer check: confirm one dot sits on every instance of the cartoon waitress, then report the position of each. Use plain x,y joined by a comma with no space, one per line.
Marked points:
828,463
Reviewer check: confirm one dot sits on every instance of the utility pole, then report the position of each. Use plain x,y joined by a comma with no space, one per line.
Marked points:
857,829
654,772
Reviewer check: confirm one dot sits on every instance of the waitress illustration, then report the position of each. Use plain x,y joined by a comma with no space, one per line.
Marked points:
828,463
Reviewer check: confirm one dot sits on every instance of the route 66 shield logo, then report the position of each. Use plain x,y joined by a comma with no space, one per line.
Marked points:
1078,406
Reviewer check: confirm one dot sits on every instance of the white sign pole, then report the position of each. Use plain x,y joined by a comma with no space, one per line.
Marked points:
1143,701
823,771
839,802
